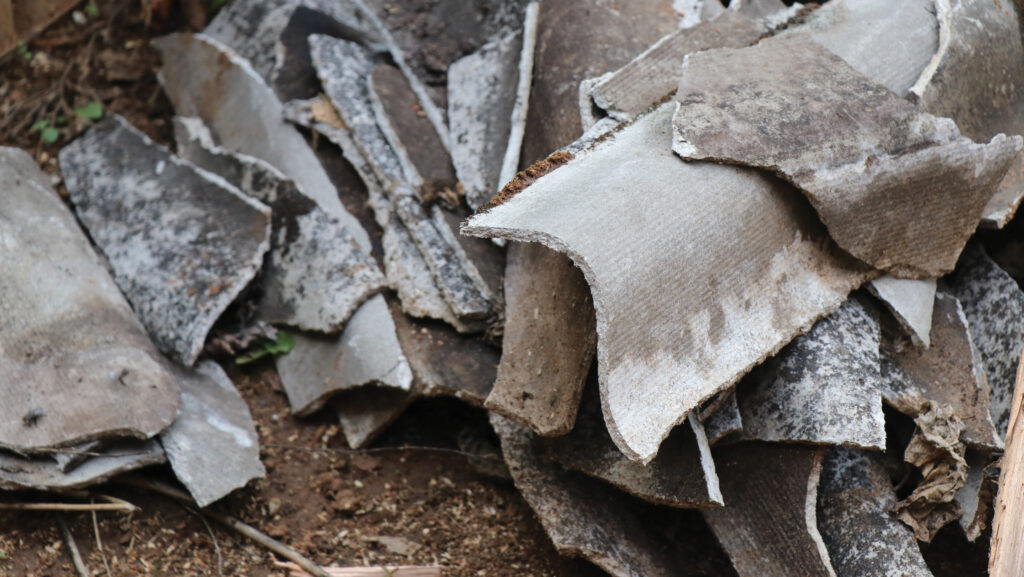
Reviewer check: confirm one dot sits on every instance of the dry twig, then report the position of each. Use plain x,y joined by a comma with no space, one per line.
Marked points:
69,540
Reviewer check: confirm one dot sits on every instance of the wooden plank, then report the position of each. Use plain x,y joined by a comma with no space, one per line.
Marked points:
1007,558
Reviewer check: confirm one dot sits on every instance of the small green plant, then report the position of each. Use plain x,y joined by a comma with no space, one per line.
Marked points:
283,345
47,133
91,111
216,5
92,10
3,555
23,51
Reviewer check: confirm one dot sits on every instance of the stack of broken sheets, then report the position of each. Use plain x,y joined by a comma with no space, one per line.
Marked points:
739,275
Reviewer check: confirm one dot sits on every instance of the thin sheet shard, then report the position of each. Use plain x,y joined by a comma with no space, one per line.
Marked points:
212,446
824,387
768,526
863,540
658,360
182,243
683,475
316,275
950,372
910,301
868,160
481,96
72,352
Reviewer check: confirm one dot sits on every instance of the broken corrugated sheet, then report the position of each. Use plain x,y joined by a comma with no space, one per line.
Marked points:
911,302
524,87
316,275
548,341
410,135
971,79
213,447
937,451
993,305
683,475
320,366
342,67
721,416
481,96
364,412
886,157
658,361
580,39
205,79
75,364
654,75
253,28
950,372
768,526
824,387
430,109
182,242
403,263
855,497
44,474
586,518
889,42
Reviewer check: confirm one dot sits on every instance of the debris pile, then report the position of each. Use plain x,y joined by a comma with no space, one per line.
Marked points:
738,272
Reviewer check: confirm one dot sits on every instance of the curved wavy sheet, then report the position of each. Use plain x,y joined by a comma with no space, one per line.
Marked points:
688,296
868,160
980,55
182,242
825,387
212,446
548,342
72,352
855,498
768,526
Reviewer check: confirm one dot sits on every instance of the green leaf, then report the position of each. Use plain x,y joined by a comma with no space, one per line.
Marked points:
61,120
91,111
40,125
50,135
217,4
3,555
92,10
23,51
283,345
